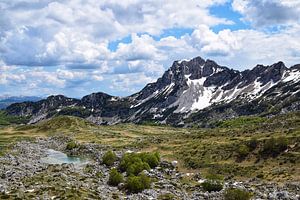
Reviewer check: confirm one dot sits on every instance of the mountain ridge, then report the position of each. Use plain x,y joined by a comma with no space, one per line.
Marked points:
7,100
187,89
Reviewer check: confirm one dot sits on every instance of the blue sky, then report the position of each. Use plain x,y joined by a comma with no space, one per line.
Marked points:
77,47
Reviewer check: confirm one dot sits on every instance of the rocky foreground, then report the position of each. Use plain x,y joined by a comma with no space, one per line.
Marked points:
24,176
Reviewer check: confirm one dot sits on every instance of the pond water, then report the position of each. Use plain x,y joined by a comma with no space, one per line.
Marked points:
58,157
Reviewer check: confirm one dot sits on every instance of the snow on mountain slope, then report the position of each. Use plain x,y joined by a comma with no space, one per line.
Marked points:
188,87
192,85
197,96
292,75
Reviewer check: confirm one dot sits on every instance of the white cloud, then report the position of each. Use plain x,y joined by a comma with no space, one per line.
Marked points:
263,13
42,33
141,48
70,75
97,77
210,43
130,82
70,39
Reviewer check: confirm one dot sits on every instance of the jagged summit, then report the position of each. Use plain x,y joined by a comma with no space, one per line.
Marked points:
186,88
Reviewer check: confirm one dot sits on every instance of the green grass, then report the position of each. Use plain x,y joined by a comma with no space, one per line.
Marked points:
238,148
241,122
6,119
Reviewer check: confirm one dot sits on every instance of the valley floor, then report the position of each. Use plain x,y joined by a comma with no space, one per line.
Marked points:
263,154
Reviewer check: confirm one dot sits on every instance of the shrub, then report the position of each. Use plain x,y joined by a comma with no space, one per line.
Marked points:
137,184
71,145
109,158
152,159
212,185
137,167
236,194
134,163
252,144
243,151
115,177
274,147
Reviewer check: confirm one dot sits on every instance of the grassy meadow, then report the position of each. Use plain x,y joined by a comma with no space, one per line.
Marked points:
242,148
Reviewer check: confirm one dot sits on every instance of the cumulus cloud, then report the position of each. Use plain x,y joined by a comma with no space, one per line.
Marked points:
262,13
212,44
141,48
76,33
60,46
130,82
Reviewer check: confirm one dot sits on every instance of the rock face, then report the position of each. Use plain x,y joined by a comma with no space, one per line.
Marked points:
193,91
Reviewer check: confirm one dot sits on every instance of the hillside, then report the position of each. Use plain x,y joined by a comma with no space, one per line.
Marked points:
242,147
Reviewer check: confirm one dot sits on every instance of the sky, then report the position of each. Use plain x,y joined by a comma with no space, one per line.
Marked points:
76,47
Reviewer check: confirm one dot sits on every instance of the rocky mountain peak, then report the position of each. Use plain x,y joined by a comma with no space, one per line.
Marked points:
187,87
195,68
95,100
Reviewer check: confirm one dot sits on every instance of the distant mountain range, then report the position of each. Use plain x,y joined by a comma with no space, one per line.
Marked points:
8,100
191,92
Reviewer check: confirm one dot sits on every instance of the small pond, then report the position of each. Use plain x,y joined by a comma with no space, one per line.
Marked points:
58,157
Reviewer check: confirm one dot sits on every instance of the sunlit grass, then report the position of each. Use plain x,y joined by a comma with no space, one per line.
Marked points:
206,150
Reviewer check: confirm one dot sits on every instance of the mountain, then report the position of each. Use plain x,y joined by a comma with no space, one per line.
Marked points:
8,100
190,92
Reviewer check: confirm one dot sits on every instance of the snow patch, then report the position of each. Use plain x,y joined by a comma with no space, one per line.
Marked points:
168,89
114,99
186,60
291,76
196,97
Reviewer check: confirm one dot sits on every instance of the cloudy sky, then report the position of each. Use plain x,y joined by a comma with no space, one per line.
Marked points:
75,47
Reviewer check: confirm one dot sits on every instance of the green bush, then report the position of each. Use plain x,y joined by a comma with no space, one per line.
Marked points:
152,159
212,186
274,147
115,177
214,183
252,144
137,184
71,145
236,194
109,158
137,167
243,151
134,163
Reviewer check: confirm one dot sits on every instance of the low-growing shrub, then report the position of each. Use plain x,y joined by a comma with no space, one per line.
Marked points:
274,147
134,163
137,184
71,145
236,194
115,177
212,185
252,144
109,158
137,167
243,151
152,159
